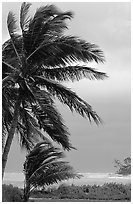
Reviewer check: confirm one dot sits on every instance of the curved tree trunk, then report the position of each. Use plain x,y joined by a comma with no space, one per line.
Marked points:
10,135
26,192
26,188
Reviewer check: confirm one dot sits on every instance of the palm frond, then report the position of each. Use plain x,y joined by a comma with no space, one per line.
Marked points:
12,51
41,16
11,23
72,73
44,166
26,91
42,116
9,74
55,173
46,12
12,27
51,121
40,156
6,65
24,19
26,139
68,97
28,130
9,95
8,49
66,49
45,24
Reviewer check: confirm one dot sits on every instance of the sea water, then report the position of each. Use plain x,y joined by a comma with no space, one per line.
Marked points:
17,179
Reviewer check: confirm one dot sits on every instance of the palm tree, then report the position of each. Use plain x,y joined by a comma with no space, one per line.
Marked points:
44,166
35,62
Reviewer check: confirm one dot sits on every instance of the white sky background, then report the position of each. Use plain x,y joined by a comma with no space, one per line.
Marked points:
108,26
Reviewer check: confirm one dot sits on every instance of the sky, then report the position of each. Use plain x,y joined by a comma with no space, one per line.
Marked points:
108,25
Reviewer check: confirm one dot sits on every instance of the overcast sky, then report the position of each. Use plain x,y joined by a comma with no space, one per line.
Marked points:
108,26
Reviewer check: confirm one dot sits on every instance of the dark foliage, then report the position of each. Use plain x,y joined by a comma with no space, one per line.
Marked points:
106,192
11,194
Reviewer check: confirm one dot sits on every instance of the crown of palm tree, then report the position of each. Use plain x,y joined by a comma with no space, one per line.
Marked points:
35,63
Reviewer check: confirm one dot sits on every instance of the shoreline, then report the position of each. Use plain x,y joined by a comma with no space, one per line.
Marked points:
86,179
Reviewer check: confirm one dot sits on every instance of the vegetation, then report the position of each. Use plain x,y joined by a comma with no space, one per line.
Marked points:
11,194
106,192
35,62
44,166
125,167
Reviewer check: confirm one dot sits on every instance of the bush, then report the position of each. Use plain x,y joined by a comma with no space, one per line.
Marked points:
11,194
106,192
109,191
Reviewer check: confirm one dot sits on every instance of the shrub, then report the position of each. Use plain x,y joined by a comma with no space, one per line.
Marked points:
11,194
106,192
109,191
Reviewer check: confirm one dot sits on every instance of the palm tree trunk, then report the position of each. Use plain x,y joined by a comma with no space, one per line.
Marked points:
26,193
26,189
10,135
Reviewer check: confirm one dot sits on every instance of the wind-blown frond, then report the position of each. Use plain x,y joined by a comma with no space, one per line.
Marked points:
66,49
24,19
39,117
46,12
42,155
69,98
56,172
49,18
29,130
42,15
7,69
12,27
51,121
42,29
11,23
47,22
12,51
9,95
72,73
44,166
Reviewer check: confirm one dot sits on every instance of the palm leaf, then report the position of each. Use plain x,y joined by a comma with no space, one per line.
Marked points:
12,27
69,98
44,166
50,120
28,130
66,49
55,173
44,24
40,117
6,65
72,73
24,19
11,23
41,16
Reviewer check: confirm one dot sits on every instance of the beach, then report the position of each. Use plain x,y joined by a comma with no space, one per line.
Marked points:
17,179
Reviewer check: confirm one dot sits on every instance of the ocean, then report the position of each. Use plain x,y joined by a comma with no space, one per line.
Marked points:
17,179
